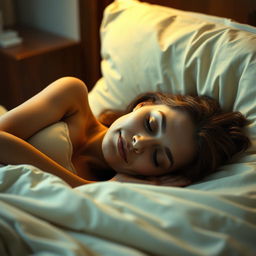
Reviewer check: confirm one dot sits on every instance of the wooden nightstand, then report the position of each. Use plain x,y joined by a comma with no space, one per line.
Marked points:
28,68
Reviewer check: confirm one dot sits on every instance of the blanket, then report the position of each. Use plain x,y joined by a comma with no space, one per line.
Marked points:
41,215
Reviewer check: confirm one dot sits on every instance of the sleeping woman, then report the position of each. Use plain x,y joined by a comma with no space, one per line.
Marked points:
161,139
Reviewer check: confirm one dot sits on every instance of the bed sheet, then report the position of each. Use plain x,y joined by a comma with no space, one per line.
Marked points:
41,215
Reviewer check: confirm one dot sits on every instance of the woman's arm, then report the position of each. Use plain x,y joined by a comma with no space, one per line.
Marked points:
14,150
163,180
65,99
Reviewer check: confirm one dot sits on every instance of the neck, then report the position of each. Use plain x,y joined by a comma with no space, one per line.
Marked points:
94,147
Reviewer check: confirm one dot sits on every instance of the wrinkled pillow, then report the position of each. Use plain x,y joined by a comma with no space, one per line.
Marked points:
153,48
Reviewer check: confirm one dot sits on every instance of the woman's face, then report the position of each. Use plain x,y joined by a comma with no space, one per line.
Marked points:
151,140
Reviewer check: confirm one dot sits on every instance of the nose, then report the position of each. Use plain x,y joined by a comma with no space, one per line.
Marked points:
140,143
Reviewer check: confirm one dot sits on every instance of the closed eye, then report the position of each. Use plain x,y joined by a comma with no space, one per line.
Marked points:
148,124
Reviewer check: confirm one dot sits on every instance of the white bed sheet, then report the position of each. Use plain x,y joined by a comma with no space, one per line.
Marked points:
41,215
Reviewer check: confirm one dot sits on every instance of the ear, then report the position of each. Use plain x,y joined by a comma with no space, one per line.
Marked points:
144,103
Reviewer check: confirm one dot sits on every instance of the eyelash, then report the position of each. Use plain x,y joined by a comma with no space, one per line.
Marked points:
148,126
149,129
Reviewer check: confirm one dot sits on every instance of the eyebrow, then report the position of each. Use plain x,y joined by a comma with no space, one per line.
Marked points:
163,128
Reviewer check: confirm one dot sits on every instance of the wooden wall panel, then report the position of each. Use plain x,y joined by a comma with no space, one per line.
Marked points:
243,11
91,12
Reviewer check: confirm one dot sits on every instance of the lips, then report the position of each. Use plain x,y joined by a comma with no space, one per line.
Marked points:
121,147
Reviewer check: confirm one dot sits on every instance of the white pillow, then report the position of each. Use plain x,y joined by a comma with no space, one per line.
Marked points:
153,48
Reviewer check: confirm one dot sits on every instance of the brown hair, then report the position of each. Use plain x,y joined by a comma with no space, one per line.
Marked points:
219,135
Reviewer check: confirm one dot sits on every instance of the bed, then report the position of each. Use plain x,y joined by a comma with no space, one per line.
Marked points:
147,47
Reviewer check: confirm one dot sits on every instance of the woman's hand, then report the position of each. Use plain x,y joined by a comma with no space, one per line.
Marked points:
121,177
14,150
170,180
164,180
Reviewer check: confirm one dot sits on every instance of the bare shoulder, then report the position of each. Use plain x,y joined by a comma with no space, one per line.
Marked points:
79,116
74,93
65,97
69,91
72,85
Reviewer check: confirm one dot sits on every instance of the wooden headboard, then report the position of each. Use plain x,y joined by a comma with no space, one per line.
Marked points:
91,12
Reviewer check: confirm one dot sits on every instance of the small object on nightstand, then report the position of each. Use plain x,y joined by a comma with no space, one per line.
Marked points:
9,38
7,34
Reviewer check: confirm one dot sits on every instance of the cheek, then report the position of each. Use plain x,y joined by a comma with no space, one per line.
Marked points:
142,166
